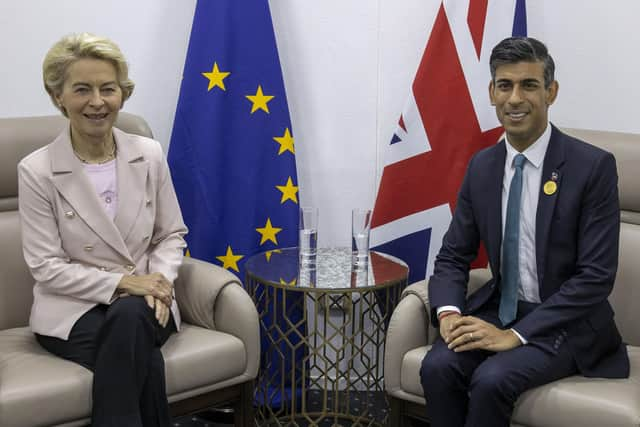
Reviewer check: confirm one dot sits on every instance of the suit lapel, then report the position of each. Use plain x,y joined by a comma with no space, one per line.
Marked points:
494,198
552,170
71,181
133,170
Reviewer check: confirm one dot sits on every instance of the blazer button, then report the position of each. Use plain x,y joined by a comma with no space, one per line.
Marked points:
148,202
103,268
145,238
88,248
130,267
70,214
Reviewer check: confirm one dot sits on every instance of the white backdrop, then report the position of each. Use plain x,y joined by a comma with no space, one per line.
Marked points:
347,67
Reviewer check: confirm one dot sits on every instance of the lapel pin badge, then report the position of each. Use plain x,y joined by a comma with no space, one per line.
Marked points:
550,188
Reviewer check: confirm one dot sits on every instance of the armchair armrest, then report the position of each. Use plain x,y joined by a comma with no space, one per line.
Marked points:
197,288
236,314
212,297
409,328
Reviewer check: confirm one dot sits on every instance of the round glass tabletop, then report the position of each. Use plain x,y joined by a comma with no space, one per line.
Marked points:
334,270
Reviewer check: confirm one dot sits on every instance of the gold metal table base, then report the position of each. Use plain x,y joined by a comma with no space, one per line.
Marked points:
335,420
326,340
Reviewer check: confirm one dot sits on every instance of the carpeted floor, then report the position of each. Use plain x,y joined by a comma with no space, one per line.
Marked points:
211,418
202,421
219,418
199,421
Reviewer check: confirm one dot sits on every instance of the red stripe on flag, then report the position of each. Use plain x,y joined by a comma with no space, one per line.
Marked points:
401,123
476,17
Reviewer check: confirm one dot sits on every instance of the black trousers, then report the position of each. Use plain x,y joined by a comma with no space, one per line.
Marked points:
121,344
479,388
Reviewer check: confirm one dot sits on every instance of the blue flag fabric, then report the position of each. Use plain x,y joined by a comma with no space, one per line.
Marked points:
231,154
232,161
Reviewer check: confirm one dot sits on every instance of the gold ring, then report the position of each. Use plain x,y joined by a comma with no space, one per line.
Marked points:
470,336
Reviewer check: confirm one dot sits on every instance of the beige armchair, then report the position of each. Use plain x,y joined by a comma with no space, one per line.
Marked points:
573,401
212,361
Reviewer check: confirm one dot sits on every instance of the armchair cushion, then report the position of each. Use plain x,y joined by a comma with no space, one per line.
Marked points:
585,402
37,388
198,357
196,360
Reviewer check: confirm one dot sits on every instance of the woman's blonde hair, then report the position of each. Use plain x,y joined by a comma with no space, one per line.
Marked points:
78,46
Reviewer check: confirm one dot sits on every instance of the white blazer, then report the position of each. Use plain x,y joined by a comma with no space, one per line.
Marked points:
75,252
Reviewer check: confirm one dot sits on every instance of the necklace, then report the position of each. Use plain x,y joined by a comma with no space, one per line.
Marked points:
109,157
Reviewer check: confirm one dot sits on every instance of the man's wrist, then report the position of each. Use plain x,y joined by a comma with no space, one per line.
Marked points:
522,340
451,309
446,313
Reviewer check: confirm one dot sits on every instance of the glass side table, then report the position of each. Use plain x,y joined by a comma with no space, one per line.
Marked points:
322,339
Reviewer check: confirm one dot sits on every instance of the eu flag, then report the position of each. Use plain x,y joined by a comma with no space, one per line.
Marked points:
232,155
232,160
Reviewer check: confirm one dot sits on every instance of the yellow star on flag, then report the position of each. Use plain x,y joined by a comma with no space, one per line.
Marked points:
230,260
268,232
259,101
285,141
216,77
288,191
291,283
268,254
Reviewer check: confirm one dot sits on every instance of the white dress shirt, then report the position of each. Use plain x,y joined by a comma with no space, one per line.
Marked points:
528,289
531,179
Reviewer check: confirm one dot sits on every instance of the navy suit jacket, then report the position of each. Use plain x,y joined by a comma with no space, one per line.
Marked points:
577,233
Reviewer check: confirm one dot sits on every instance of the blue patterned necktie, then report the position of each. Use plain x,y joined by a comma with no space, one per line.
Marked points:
510,265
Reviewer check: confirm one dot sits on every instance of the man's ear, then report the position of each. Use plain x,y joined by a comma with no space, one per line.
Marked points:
552,92
491,97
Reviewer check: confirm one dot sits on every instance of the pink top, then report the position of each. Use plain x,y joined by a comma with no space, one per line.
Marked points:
103,177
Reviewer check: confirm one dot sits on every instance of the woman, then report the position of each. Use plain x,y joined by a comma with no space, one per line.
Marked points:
102,236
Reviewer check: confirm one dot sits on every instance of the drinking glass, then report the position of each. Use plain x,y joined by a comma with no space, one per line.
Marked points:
308,237
360,228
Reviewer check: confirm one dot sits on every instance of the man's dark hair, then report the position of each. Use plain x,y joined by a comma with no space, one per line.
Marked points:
522,49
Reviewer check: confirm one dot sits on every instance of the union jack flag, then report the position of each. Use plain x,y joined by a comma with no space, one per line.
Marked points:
446,119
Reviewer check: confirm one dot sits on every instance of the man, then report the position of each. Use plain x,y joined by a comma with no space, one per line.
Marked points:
545,205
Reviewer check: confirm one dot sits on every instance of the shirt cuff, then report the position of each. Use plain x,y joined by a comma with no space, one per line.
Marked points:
447,308
520,337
